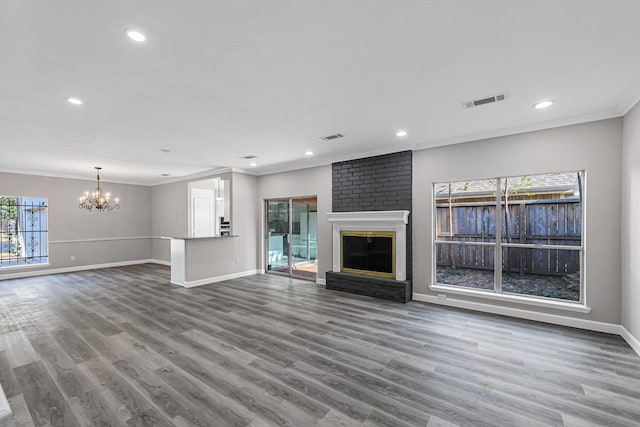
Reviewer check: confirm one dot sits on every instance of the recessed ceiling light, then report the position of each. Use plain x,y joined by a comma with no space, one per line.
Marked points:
543,104
136,36
401,133
309,153
75,101
253,164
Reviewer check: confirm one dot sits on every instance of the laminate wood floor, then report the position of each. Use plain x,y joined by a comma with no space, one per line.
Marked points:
121,347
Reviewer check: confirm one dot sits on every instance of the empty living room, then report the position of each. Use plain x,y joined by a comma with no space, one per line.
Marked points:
338,213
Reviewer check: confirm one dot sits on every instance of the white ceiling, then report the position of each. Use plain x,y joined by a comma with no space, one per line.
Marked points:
218,80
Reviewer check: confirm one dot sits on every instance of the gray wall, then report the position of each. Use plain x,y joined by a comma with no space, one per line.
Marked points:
169,204
595,147
225,256
245,220
630,222
306,182
93,237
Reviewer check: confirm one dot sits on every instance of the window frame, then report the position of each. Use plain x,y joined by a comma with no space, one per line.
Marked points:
497,293
46,238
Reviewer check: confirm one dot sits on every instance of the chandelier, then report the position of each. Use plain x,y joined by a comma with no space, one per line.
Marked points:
97,199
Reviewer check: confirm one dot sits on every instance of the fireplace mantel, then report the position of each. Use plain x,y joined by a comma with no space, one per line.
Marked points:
372,221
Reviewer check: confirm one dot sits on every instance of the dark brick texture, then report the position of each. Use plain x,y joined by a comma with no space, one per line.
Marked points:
379,183
388,289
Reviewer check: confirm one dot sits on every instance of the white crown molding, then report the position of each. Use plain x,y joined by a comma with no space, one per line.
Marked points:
325,160
569,121
204,174
210,173
307,163
630,101
71,176
294,165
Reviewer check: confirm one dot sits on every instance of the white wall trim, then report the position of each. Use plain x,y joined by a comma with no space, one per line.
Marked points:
629,101
209,173
101,239
74,177
44,272
209,280
555,319
630,339
144,182
517,299
320,281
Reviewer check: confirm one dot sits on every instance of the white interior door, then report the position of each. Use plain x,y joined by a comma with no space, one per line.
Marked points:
202,212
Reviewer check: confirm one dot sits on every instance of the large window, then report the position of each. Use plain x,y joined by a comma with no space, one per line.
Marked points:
519,235
23,231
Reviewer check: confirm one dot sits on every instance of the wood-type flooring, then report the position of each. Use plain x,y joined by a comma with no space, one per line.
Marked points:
121,347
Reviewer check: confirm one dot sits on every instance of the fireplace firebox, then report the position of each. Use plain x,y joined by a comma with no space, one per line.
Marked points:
371,253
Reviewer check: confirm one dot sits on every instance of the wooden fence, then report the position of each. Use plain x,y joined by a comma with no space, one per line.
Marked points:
549,222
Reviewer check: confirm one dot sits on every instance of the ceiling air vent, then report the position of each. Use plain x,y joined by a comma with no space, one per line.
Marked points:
486,100
331,137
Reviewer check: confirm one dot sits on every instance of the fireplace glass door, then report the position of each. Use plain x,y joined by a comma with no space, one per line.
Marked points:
291,238
371,253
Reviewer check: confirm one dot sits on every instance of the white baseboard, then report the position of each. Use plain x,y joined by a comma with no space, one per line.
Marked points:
555,319
630,339
44,272
320,281
209,280
160,261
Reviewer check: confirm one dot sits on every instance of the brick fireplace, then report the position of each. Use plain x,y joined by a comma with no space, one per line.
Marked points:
371,203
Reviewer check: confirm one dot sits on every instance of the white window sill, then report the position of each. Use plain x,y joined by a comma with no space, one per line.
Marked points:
518,299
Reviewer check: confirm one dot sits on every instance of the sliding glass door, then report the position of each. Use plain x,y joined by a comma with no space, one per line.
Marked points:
303,237
291,238
278,226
